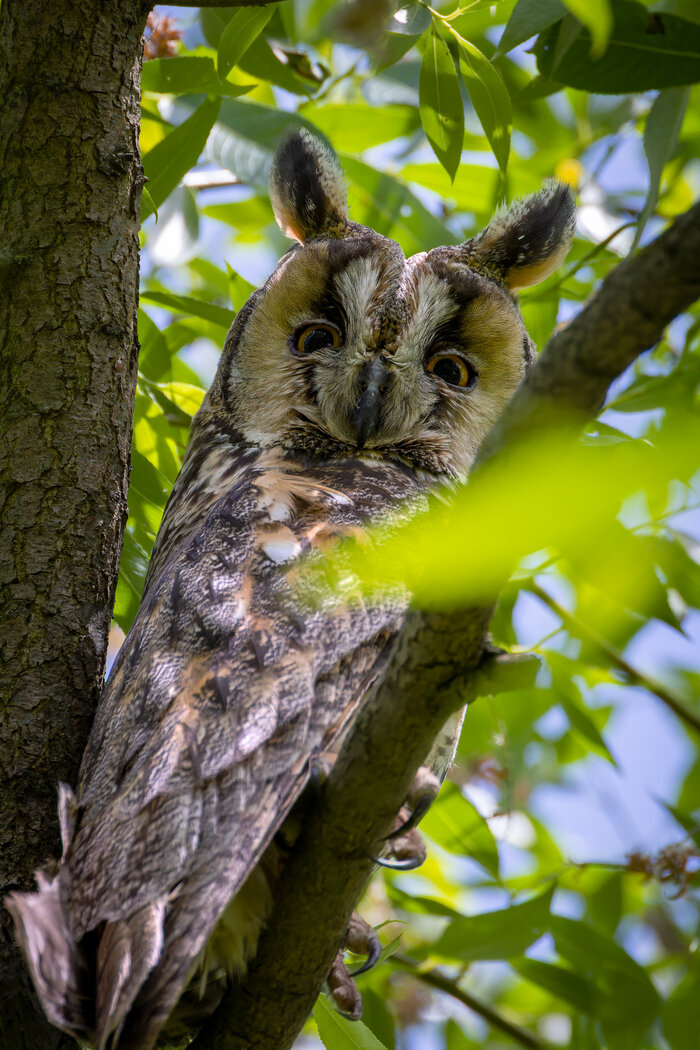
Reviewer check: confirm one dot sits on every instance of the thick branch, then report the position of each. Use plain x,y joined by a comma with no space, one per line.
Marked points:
69,222
435,659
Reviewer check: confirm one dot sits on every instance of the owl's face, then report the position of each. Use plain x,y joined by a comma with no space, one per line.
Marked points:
351,350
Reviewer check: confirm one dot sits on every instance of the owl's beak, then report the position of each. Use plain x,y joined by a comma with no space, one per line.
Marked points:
373,379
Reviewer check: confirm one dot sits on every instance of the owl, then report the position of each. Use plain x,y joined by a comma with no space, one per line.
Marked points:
351,385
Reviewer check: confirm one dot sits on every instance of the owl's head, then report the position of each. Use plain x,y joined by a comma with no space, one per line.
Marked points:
352,350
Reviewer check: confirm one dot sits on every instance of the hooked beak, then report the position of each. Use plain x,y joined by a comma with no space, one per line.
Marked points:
373,379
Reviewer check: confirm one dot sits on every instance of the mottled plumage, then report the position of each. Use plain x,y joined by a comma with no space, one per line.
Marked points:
351,384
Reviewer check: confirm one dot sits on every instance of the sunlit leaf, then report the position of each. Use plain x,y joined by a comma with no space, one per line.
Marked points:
337,1033
500,934
167,162
244,26
186,75
660,138
441,109
644,52
597,18
528,18
456,825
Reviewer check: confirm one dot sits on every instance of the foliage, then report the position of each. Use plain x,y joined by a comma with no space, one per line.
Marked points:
438,115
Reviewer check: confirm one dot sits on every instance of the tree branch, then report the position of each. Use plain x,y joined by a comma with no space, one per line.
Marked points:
582,630
69,258
436,657
436,979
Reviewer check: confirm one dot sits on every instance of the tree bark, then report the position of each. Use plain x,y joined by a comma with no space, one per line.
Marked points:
69,221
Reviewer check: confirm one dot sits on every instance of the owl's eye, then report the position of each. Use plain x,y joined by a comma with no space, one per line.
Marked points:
452,369
317,335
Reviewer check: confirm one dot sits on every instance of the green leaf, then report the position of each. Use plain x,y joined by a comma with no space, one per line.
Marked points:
385,203
132,572
154,357
681,1013
187,75
239,289
645,51
244,26
528,18
189,306
441,109
631,1003
456,825
499,934
490,99
597,18
337,1033
356,128
376,1016
575,990
179,151
660,137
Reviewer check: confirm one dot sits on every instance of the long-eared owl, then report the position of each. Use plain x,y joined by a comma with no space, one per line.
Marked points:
350,385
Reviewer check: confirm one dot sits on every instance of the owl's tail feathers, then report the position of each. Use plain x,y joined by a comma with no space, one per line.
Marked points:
127,951
55,962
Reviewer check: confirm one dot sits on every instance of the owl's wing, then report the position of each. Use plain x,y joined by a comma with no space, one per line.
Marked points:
224,690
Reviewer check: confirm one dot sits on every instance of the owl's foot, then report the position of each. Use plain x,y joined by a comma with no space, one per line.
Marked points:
361,939
407,849
343,990
420,798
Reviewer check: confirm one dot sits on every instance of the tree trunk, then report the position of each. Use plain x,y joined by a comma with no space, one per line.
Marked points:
69,220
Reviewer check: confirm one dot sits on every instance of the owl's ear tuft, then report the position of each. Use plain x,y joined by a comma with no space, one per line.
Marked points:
307,188
527,241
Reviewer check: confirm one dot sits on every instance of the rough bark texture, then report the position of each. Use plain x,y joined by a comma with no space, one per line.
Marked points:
435,668
69,218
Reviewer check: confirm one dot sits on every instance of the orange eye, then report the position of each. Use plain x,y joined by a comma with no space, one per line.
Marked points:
317,335
452,369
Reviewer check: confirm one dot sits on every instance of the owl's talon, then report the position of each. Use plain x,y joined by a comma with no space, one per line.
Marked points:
407,850
420,798
405,864
343,991
361,939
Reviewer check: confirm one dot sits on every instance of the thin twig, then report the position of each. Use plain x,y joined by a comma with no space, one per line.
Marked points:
583,630
436,979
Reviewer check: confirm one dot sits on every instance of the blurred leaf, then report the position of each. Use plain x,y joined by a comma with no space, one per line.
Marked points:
175,238
490,99
188,305
186,75
337,1033
243,27
597,18
681,1013
239,289
499,934
376,1016
132,573
441,109
168,161
528,18
660,137
456,825
355,128
632,1002
578,992
605,903
645,52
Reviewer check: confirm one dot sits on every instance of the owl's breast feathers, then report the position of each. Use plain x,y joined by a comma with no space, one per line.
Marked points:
226,687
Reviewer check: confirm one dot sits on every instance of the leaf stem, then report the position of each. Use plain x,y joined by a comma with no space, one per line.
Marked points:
582,630
436,979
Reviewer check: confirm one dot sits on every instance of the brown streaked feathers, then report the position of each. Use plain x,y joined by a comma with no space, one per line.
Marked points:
351,384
